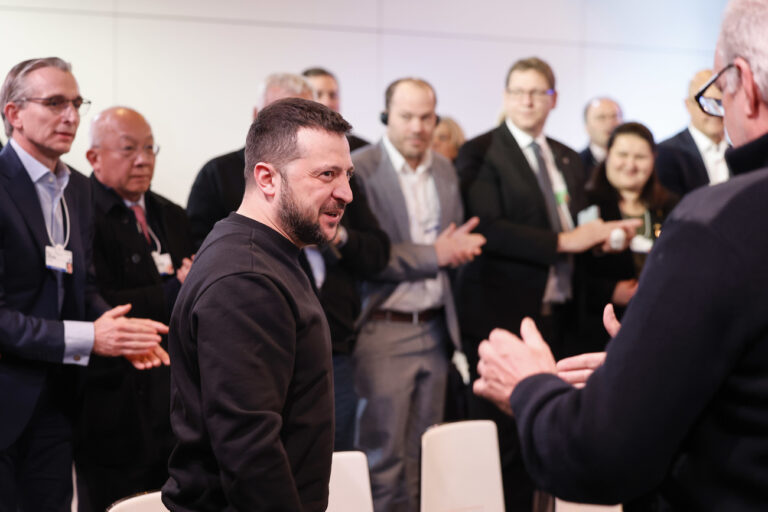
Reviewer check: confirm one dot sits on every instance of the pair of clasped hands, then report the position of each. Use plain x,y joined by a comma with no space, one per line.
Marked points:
136,339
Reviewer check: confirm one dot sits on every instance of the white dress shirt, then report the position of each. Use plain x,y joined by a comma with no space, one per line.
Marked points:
713,155
423,205
598,152
552,292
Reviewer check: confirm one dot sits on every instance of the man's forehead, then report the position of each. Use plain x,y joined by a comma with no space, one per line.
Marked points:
50,81
409,93
602,106
527,75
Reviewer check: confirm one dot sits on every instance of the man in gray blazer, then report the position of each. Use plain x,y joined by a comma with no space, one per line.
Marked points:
409,324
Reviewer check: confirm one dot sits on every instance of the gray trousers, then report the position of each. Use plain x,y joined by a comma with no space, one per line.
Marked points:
400,377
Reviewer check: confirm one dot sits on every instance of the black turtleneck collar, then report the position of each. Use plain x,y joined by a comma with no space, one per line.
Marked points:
749,157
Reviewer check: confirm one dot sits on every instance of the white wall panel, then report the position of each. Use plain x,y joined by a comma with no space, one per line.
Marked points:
659,24
341,14
497,20
25,34
193,66
198,93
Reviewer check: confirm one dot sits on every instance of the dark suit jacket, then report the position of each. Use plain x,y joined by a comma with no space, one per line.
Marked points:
679,164
123,412
31,331
217,190
589,163
601,273
506,283
356,142
365,254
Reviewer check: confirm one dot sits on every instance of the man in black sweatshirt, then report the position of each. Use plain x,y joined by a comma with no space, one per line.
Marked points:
251,383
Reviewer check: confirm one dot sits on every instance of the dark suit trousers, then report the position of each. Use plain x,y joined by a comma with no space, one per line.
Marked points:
98,486
36,470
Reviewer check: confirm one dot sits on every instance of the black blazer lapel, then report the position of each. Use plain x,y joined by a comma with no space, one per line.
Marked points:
23,194
514,168
699,170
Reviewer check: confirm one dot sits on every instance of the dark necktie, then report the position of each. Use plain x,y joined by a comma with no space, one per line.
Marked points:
545,184
563,265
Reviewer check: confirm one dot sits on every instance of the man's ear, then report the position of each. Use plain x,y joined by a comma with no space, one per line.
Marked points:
11,112
94,158
751,91
266,178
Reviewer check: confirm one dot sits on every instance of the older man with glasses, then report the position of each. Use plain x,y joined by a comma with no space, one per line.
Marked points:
678,412
46,289
142,253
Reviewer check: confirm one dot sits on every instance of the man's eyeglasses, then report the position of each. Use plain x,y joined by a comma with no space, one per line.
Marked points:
536,94
711,106
59,104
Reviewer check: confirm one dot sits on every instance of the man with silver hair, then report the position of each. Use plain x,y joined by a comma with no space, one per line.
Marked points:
678,412
47,292
219,186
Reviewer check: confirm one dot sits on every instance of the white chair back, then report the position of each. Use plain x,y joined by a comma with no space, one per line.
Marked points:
567,506
145,502
461,469
350,486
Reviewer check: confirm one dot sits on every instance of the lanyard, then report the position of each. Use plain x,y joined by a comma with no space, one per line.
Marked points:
66,224
154,239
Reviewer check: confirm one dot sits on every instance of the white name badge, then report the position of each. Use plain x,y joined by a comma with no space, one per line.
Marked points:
58,258
640,243
588,215
163,263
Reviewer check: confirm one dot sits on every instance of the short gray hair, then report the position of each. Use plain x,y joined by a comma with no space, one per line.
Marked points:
288,84
15,84
743,34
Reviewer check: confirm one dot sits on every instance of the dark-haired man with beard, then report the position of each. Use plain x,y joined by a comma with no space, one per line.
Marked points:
251,391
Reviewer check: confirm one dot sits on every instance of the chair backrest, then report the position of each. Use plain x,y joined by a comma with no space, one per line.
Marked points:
461,469
145,502
350,486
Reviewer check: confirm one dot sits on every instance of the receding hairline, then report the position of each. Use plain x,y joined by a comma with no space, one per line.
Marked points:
416,82
107,119
594,102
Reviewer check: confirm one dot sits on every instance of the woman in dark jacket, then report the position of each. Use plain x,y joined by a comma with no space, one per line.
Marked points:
624,186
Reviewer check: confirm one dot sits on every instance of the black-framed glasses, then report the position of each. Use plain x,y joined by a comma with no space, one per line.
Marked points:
59,104
711,106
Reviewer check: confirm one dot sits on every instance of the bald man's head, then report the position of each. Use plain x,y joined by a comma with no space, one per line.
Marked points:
710,126
122,152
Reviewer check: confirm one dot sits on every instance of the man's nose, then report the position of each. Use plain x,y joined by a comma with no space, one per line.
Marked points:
343,191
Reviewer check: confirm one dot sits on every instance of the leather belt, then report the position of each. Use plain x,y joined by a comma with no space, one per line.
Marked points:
416,317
